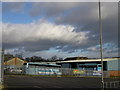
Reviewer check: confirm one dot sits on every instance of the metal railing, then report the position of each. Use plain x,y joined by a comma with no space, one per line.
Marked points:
113,84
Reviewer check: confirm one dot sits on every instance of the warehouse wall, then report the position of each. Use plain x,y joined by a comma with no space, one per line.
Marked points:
113,65
66,65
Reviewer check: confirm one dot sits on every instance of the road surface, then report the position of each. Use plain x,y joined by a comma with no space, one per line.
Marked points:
18,81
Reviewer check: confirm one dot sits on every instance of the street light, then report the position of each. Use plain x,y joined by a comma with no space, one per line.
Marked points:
1,67
101,54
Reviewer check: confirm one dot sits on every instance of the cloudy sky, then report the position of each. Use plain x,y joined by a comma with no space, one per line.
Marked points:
64,29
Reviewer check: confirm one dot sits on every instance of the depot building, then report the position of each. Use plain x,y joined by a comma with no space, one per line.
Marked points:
109,64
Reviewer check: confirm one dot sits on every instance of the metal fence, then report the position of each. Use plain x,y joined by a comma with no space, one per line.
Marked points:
16,70
77,72
113,84
36,70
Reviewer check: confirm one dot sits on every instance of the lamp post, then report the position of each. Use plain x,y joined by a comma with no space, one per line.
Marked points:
101,52
1,67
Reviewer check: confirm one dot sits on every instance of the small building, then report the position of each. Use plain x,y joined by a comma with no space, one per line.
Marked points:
13,65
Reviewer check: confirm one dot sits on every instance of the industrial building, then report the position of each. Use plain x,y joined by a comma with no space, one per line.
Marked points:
112,65
69,66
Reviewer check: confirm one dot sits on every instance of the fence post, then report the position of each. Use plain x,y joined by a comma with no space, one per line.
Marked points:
110,84
106,85
118,83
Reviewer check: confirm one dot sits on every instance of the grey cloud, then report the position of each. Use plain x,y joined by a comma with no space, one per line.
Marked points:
41,36
83,16
108,48
87,19
13,6
50,9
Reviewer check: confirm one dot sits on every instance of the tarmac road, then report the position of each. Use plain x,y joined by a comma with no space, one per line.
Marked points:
18,81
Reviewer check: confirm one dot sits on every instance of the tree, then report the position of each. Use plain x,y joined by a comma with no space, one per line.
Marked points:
54,58
34,59
8,57
60,58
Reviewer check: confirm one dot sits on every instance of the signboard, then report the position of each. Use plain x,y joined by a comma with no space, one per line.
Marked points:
78,71
99,68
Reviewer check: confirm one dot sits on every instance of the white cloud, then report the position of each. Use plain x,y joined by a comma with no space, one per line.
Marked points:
40,31
94,49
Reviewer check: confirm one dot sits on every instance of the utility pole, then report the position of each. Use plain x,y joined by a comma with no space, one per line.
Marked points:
101,52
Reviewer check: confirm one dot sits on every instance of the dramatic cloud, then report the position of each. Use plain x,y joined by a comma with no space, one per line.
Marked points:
41,35
83,15
51,9
68,27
